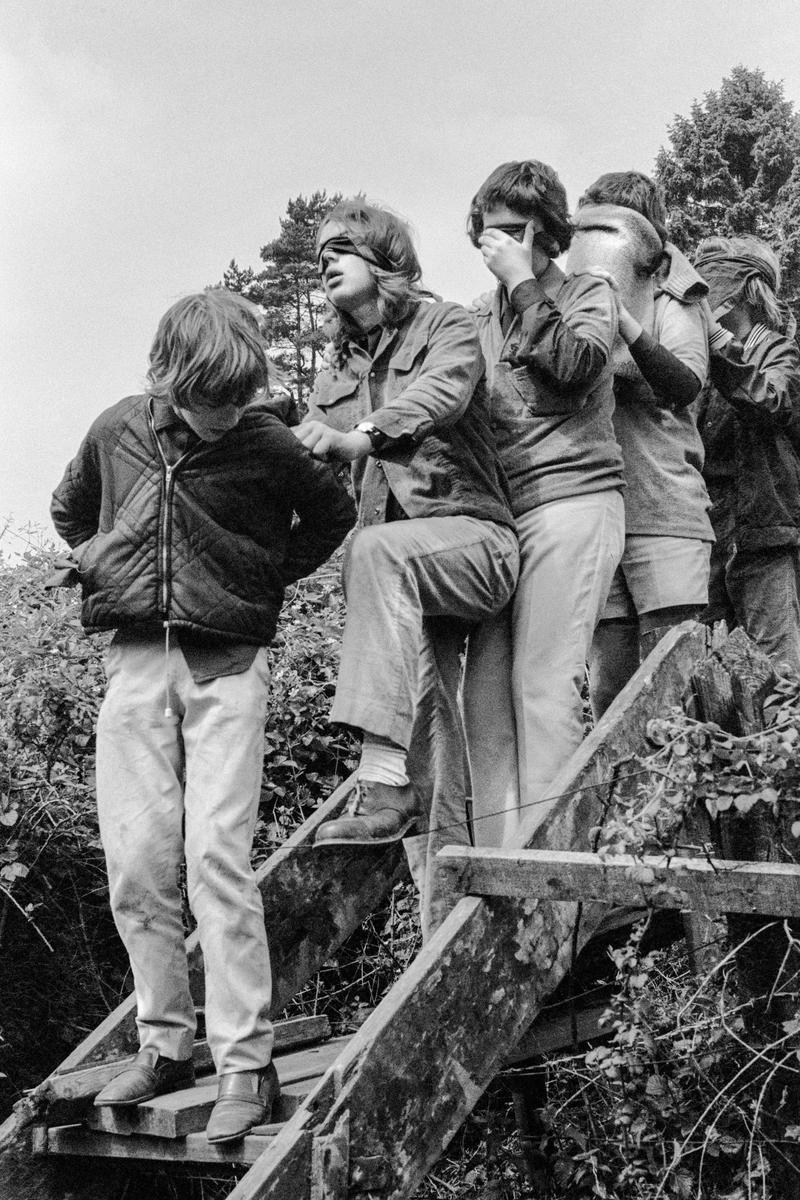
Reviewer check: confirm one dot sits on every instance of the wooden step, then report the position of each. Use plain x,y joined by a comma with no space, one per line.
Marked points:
69,1094
195,1147
181,1113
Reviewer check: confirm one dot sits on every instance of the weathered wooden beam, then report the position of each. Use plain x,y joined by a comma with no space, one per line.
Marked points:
195,1147
420,1062
663,881
553,1032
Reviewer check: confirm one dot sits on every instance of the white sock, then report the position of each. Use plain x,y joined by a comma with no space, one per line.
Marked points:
382,762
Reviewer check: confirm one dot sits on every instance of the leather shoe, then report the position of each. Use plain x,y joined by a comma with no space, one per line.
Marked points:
377,813
148,1075
244,1099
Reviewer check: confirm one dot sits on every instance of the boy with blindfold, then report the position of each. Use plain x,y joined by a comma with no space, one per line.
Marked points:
402,400
750,423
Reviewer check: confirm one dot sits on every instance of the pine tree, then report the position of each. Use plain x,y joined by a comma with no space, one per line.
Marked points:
733,167
288,288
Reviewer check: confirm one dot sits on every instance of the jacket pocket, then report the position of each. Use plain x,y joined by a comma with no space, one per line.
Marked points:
341,402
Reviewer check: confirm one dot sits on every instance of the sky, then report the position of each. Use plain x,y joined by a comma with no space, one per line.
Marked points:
144,145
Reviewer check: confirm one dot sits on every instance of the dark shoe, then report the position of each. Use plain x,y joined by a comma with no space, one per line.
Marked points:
377,813
148,1075
244,1099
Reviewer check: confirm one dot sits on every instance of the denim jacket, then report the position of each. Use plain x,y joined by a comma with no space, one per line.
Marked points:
424,391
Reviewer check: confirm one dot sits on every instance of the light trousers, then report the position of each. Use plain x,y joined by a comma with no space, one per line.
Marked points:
525,668
186,786
395,576
413,589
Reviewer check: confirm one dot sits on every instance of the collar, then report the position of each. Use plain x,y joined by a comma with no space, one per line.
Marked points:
682,281
164,415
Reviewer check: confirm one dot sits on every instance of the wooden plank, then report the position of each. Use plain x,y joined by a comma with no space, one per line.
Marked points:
664,881
553,1032
406,1083
66,1096
195,1148
182,1113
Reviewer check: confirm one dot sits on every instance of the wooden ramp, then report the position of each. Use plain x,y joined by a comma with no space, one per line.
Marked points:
378,1109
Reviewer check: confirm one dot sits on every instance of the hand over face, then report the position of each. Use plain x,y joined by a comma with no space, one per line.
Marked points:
507,259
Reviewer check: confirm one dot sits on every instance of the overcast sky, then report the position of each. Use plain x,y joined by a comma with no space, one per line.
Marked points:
148,143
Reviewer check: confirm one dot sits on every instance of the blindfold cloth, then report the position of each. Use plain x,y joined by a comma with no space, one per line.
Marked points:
341,244
727,274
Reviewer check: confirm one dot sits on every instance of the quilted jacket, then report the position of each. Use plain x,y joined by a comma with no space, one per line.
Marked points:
168,528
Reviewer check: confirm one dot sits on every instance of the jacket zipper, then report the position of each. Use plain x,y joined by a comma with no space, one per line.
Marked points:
165,559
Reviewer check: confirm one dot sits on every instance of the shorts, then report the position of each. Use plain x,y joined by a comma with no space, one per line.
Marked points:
658,572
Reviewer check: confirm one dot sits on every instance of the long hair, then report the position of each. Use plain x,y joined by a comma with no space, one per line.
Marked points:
387,238
530,188
749,271
209,349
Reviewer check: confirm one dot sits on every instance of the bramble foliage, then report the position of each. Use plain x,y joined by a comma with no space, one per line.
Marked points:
733,167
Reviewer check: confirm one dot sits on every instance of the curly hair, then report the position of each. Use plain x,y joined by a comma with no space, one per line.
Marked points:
209,349
385,238
530,188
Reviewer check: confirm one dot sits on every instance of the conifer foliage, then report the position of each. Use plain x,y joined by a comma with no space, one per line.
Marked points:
733,167
288,288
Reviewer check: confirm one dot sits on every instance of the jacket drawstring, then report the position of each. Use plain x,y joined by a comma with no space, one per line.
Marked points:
167,705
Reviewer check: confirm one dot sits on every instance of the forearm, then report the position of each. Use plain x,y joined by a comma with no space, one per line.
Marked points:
674,385
552,348
765,393
326,515
75,508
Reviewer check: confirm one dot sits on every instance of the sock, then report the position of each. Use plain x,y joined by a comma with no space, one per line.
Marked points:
382,761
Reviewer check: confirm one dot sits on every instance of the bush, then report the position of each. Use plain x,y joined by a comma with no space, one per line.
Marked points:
69,968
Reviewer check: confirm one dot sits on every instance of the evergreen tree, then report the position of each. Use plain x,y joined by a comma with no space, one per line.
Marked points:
733,167
288,288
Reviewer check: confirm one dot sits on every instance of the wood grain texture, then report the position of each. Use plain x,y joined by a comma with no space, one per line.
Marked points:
710,885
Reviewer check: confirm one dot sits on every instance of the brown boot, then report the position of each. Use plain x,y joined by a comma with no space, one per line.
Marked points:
244,1099
147,1076
377,813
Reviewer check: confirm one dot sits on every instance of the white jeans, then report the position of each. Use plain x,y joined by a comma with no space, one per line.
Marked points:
150,819
525,668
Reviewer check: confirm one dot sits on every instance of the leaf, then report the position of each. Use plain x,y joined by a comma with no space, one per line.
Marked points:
745,801
796,829
640,874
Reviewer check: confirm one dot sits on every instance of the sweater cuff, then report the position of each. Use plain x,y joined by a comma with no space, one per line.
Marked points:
719,337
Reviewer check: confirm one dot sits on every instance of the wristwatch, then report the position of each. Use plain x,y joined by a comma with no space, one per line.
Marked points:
377,439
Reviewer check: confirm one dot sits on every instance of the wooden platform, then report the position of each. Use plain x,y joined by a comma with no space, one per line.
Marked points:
172,1127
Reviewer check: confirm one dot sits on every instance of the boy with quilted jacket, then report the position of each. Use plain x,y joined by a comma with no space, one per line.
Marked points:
179,507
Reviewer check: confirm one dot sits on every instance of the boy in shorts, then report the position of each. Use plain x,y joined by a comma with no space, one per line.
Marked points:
663,577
